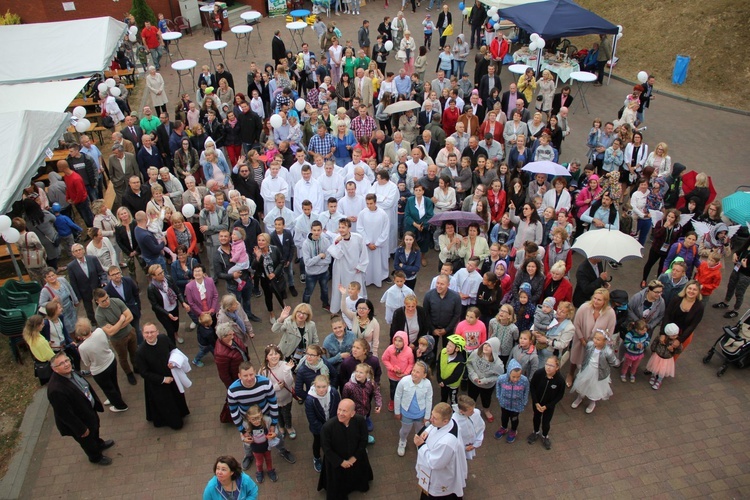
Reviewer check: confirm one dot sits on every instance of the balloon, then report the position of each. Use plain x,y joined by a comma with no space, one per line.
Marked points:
133,30
188,210
619,35
532,47
276,121
4,223
466,11
300,104
102,87
492,12
534,37
642,76
131,38
110,82
115,91
540,43
83,125
619,28
389,45
461,6
78,112
496,18
11,235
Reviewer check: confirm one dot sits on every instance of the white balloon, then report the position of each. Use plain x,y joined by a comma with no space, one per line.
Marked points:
11,235
495,18
534,37
83,125
102,87
540,43
300,104
110,82
188,211
4,223
131,38
115,91
492,12
642,76
532,47
466,11
133,30
619,28
389,45
619,35
78,112
276,121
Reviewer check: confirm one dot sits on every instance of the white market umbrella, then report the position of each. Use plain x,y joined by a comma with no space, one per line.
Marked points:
608,244
401,106
546,167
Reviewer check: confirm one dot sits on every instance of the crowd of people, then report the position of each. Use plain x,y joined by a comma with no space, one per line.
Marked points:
308,179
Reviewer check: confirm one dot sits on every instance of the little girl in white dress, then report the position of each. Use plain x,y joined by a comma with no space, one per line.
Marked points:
593,381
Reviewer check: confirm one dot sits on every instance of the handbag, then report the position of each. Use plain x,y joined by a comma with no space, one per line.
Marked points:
42,370
448,31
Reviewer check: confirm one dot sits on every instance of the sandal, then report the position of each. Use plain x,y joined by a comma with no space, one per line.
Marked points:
643,284
731,314
490,417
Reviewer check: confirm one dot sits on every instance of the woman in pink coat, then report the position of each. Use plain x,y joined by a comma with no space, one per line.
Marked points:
398,360
596,314
201,295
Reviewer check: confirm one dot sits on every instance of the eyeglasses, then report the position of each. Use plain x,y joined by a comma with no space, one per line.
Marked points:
62,363
363,308
115,273
311,355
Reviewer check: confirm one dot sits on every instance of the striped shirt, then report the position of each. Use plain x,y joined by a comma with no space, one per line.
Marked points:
240,399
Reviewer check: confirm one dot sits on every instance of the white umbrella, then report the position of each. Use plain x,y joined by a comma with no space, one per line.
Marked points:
608,244
401,106
546,167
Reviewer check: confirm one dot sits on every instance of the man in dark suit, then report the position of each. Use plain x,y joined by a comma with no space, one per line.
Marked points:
562,99
590,276
126,289
75,405
378,141
478,109
286,247
137,196
163,132
431,146
425,117
473,150
148,156
85,274
132,132
250,127
121,166
175,139
508,101
489,82
520,107
278,49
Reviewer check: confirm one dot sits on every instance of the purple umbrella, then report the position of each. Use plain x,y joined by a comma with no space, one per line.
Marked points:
462,219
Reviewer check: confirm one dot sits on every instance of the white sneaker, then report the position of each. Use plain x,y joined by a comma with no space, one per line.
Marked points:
107,403
192,326
401,448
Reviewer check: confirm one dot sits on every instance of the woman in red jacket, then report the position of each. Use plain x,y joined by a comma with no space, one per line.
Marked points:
180,233
557,285
450,118
491,125
496,199
229,352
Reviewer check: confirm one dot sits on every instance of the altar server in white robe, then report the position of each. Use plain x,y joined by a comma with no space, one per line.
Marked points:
373,224
332,182
331,217
441,460
350,262
352,204
387,193
308,188
273,184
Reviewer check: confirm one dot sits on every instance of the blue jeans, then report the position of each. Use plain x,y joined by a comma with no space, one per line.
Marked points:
203,350
458,68
310,281
289,272
84,209
137,325
644,226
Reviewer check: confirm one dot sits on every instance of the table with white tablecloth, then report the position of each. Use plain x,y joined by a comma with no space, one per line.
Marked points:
560,68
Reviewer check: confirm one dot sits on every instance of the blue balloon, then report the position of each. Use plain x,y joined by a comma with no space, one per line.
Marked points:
461,6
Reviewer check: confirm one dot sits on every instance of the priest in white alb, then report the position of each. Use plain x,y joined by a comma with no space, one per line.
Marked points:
309,189
273,183
387,194
350,262
374,226
352,204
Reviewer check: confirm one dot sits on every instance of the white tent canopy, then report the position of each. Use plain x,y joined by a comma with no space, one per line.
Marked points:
504,4
55,51
27,135
46,96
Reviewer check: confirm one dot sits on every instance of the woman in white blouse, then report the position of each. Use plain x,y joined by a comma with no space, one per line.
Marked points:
101,248
660,161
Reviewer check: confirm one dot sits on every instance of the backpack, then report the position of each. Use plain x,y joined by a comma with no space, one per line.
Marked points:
679,248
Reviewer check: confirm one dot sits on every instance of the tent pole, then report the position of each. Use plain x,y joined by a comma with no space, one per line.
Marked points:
612,64
538,62
15,262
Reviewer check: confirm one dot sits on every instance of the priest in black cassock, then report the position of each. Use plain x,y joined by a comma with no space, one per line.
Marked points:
346,467
165,404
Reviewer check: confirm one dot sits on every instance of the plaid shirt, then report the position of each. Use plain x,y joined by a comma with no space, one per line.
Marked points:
363,126
321,145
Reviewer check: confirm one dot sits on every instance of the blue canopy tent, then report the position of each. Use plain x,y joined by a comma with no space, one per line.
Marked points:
557,19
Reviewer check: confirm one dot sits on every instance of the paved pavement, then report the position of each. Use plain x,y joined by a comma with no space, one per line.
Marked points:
686,440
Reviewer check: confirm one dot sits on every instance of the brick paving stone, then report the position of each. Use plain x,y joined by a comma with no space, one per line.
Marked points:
622,450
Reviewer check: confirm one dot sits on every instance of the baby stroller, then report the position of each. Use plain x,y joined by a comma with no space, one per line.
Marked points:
733,345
